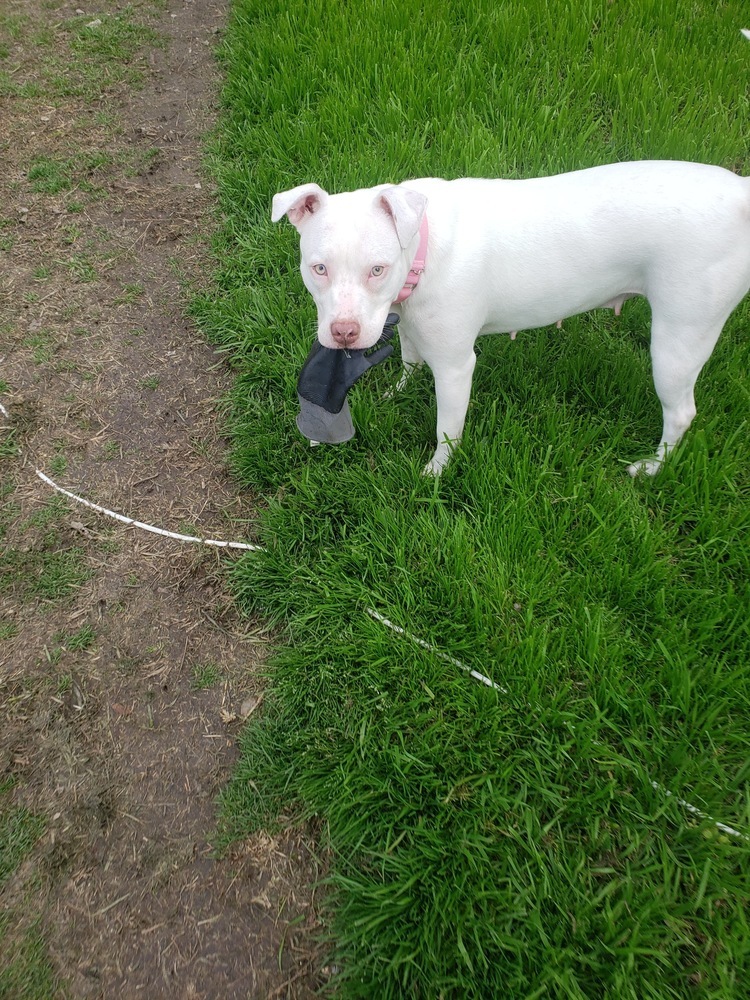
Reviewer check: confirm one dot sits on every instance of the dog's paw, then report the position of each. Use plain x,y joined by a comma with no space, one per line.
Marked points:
646,467
438,461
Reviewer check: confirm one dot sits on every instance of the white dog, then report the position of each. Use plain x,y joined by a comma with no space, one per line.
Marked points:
468,257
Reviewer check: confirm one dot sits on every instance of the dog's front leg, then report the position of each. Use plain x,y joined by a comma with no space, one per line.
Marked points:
452,391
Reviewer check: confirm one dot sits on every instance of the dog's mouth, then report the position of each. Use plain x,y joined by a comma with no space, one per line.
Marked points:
364,345
368,336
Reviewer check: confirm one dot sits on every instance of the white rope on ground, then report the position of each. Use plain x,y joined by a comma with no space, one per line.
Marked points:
688,806
139,524
147,527
443,656
699,812
446,657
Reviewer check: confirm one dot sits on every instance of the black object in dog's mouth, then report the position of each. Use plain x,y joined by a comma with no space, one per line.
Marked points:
326,377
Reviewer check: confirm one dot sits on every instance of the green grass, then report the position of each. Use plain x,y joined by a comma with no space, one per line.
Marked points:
8,445
44,345
47,574
40,564
487,843
26,972
108,53
19,831
58,465
82,639
130,294
84,59
205,675
53,174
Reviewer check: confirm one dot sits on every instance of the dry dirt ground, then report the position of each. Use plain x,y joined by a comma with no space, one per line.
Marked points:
125,671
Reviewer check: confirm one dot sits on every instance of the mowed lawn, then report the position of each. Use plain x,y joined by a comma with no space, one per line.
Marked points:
515,841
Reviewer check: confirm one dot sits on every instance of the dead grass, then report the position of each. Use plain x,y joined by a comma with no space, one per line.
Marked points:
105,736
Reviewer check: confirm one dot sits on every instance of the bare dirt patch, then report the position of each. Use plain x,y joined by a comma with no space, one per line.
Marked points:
125,670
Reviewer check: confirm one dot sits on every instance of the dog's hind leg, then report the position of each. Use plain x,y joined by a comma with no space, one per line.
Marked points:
678,354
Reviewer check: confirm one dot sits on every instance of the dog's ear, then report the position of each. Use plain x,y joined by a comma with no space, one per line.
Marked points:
299,203
406,207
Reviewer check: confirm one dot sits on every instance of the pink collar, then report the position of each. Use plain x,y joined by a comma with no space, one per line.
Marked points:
418,264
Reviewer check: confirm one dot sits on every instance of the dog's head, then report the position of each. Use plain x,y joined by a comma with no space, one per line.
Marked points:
356,250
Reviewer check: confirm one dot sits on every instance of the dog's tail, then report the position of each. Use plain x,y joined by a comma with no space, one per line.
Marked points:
745,32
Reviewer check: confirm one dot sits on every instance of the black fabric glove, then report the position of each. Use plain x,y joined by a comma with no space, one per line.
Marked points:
324,381
321,427
329,373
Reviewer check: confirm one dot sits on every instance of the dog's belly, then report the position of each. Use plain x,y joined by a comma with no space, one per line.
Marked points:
531,315
551,283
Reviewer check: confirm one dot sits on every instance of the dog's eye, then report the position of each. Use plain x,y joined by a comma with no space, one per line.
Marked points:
320,269
377,270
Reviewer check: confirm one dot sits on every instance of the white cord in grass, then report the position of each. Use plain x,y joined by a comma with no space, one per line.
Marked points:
146,527
437,652
699,812
688,806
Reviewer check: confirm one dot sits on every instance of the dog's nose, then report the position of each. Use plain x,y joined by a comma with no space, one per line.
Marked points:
345,333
